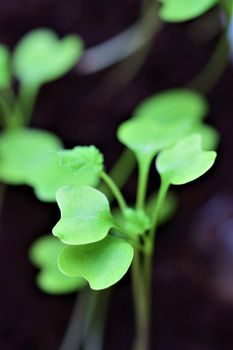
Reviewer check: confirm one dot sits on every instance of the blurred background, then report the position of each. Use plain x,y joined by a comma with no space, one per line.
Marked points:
193,273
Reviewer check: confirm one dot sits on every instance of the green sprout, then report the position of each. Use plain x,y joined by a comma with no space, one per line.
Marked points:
100,241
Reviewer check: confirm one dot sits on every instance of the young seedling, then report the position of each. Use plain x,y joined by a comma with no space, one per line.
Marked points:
100,243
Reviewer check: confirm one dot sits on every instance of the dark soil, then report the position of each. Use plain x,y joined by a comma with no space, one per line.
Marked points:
193,290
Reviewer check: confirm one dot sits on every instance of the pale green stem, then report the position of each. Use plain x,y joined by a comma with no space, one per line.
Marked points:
164,186
144,167
142,314
120,172
27,99
115,190
214,68
95,339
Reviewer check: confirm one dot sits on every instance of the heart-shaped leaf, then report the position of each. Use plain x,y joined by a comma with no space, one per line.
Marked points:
82,160
147,137
5,67
185,161
43,254
183,10
20,150
172,106
102,264
41,56
85,215
50,176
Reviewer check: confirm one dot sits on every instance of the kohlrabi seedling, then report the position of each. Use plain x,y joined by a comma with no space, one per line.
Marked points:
100,243
39,57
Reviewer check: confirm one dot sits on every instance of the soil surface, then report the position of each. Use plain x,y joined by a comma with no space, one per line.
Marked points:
192,286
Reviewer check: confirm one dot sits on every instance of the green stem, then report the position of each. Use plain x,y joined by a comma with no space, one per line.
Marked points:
95,339
144,167
26,100
214,68
164,186
142,314
120,172
115,190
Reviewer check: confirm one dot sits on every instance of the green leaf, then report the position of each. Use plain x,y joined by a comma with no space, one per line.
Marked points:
43,254
134,222
183,10
172,106
167,210
85,215
82,160
161,120
20,150
102,264
185,161
50,177
41,57
209,135
5,67
146,137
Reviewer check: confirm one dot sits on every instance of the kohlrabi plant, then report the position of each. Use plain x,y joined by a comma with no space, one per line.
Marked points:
39,57
100,236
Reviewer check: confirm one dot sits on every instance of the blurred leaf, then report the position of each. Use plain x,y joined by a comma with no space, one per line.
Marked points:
172,106
102,264
209,135
185,161
43,254
183,10
20,150
82,160
51,176
5,67
41,57
85,215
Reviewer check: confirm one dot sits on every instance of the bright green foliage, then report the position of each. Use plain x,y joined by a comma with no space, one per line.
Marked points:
166,211
210,136
41,56
134,222
20,150
85,215
183,10
102,264
51,176
146,137
172,106
43,254
161,120
185,161
82,160
5,69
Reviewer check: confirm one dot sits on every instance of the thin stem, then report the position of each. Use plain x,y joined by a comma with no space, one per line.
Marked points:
144,167
120,172
115,190
74,335
26,100
159,202
142,315
95,338
124,45
214,68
